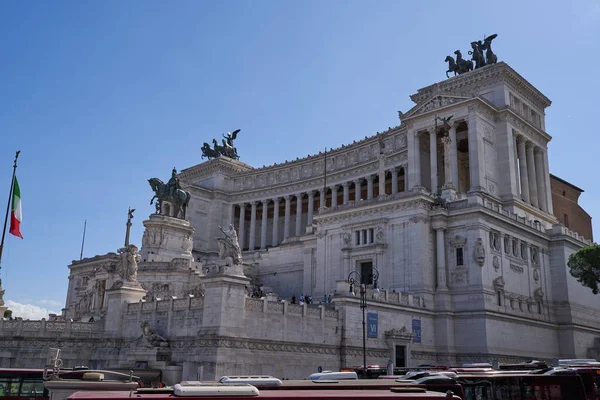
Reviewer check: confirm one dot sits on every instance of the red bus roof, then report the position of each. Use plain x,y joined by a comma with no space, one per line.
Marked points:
277,394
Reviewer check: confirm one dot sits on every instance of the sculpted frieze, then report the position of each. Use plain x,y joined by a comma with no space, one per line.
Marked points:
540,139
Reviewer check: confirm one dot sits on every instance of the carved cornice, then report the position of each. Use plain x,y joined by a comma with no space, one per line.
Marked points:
539,137
372,212
223,165
472,84
371,223
254,344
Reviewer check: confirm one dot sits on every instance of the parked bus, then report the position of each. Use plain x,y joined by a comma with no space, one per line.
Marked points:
521,387
231,392
22,384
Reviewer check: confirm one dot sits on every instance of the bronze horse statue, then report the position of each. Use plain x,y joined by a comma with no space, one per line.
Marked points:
179,201
209,152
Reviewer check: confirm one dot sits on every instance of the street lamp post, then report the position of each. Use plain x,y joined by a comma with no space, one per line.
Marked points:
354,279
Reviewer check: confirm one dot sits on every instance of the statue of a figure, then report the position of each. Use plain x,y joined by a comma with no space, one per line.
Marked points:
170,192
477,54
226,149
128,265
490,57
480,252
229,247
173,183
151,338
463,65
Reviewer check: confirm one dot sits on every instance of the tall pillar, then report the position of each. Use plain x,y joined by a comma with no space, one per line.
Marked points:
252,239
533,192
476,153
334,190
517,169
523,169
453,156
370,187
275,241
286,222
395,180
433,159
311,205
417,163
299,214
231,214
263,225
540,179
414,159
381,177
441,260
346,186
242,229
357,191
322,198
546,174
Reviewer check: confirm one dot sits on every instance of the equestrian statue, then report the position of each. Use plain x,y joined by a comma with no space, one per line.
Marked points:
171,193
481,53
225,149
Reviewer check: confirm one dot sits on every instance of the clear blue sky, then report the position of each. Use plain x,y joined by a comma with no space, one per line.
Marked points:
101,95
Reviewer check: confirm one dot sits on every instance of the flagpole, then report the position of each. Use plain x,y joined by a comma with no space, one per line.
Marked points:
83,241
12,183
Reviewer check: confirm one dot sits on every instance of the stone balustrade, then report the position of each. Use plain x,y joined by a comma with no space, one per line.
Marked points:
42,328
166,305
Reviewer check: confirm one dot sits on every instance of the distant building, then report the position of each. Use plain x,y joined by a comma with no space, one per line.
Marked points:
454,216
565,197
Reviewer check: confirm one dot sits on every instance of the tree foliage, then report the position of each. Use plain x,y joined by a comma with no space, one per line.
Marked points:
584,266
8,314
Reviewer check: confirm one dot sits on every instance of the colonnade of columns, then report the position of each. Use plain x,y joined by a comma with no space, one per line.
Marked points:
305,205
450,180
532,173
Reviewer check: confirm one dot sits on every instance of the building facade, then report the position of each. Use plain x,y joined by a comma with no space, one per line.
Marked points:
449,215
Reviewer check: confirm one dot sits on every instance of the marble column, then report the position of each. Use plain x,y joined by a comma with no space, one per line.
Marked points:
357,191
275,238
311,206
299,214
433,159
370,187
441,260
381,178
322,198
252,239
346,186
546,175
242,228
286,221
540,179
448,183
453,156
231,214
523,169
414,159
533,192
334,193
263,225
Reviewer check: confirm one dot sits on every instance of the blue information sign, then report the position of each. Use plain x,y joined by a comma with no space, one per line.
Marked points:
372,325
416,325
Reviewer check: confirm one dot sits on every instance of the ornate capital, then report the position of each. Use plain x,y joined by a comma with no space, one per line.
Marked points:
528,144
298,196
265,203
311,193
346,184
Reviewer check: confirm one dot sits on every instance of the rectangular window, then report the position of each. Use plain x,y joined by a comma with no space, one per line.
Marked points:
400,356
459,256
566,218
371,234
357,237
539,304
499,297
364,236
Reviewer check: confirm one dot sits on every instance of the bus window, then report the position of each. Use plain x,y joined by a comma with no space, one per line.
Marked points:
31,387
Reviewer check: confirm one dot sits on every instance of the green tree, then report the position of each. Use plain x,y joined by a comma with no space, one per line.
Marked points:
8,314
584,266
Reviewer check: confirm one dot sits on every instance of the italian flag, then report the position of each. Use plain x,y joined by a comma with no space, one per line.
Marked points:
16,215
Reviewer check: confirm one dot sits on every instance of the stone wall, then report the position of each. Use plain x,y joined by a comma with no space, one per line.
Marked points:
565,198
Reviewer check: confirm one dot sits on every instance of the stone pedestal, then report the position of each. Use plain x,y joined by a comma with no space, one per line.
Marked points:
116,305
166,238
224,305
448,193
